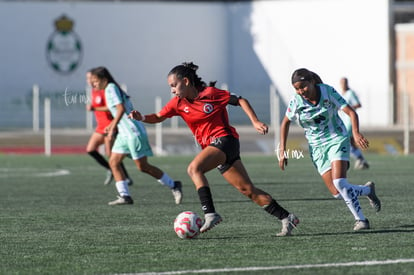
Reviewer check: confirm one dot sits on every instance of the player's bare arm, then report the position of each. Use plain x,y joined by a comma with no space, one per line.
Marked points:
151,118
359,139
260,127
284,131
112,127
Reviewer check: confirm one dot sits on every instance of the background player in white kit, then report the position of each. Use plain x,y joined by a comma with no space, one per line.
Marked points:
352,99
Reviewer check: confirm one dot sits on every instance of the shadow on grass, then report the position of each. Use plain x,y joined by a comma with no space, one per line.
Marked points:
370,231
277,199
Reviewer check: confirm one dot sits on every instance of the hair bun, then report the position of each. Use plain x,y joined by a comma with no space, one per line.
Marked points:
190,65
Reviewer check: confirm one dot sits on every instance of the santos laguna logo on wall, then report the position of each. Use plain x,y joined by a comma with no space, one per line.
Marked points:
64,49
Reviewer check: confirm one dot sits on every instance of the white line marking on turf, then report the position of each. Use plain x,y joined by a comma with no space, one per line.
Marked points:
32,172
60,172
281,267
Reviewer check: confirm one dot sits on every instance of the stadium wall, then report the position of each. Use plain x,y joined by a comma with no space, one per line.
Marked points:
245,45
138,41
334,38
405,68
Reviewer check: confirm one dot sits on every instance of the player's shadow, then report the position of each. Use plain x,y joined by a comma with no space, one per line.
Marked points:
370,231
293,199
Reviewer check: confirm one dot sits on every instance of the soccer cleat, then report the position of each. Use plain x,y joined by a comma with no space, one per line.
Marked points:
121,201
361,164
210,220
109,177
288,224
372,197
359,225
177,192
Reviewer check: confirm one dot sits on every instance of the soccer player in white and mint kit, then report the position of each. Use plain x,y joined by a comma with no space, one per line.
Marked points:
315,107
352,99
131,140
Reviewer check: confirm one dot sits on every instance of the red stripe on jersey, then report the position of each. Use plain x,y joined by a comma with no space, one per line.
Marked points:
102,118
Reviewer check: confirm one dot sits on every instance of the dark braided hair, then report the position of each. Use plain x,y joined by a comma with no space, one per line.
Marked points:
188,70
103,73
305,75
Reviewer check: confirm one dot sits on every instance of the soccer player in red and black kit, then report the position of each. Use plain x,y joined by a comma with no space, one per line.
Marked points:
203,108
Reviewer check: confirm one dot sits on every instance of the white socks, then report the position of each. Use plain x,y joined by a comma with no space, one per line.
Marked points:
122,188
350,195
166,180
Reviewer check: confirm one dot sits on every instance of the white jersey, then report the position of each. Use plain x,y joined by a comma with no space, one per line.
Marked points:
126,127
352,99
321,122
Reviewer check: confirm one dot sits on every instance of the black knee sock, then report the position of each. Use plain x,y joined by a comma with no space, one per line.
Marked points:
206,200
100,159
124,170
276,210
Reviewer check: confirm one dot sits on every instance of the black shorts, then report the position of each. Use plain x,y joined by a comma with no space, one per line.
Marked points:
230,146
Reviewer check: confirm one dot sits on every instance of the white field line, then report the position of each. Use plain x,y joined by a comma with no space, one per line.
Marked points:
32,172
60,172
262,268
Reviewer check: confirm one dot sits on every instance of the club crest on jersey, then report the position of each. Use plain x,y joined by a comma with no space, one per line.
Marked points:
98,99
208,108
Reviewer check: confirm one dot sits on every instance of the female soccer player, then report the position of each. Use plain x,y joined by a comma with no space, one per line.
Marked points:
352,99
131,139
316,106
203,108
103,118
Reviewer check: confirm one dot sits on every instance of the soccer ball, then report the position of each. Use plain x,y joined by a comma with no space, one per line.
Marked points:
187,225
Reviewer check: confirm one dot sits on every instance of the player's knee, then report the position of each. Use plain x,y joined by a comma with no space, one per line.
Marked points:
113,163
193,169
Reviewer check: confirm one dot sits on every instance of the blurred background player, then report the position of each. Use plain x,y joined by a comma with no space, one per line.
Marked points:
352,99
131,139
103,118
203,108
315,106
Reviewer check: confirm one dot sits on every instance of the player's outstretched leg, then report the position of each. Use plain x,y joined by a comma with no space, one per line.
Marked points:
372,197
122,200
288,224
177,192
289,220
210,220
361,224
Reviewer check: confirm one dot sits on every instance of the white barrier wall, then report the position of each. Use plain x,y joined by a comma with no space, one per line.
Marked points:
139,42
245,45
334,38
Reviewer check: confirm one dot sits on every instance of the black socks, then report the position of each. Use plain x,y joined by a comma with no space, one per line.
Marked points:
276,210
206,200
100,159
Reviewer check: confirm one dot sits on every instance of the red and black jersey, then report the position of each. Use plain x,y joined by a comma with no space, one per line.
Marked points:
103,118
206,115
